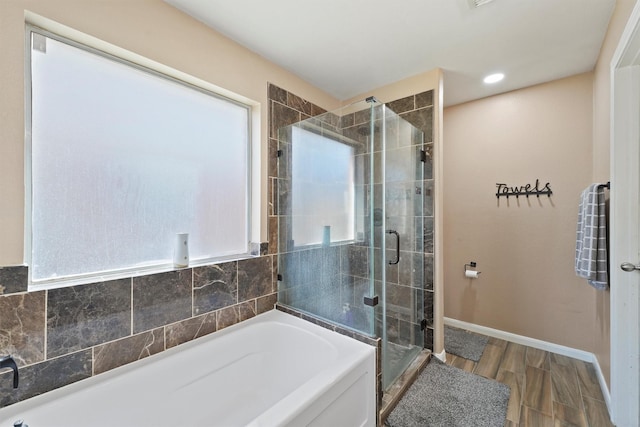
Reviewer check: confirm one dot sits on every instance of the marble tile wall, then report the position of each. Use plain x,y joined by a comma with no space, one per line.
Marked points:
60,336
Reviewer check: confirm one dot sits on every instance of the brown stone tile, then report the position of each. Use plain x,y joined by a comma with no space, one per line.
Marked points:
564,385
247,310
282,197
529,417
489,362
362,116
255,278
515,382
80,317
596,412
281,116
22,327
266,303
272,168
190,329
402,105
45,376
276,93
231,315
214,287
538,358
537,390
160,299
14,279
227,316
264,248
273,233
316,110
568,416
346,121
297,103
424,99
117,353
423,120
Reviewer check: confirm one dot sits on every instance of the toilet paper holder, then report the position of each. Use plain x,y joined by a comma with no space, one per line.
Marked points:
474,273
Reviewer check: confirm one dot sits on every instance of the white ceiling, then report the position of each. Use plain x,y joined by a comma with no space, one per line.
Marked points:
349,47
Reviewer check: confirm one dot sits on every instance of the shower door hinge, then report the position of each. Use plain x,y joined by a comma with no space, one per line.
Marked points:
279,153
279,277
423,156
423,324
371,301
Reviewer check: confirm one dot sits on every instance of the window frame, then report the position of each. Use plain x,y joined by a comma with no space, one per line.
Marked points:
340,139
145,65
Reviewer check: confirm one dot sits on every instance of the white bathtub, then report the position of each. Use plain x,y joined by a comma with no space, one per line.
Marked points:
272,370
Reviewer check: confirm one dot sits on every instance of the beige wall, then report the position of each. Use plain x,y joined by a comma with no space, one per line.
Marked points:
150,28
402,88
548,303
525,249
601,147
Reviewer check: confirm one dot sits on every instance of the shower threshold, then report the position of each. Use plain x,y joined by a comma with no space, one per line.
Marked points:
397,389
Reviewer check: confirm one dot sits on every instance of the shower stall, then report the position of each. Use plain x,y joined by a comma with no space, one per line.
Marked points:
351,211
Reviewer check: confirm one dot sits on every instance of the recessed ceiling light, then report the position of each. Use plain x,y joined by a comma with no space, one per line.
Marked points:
494,78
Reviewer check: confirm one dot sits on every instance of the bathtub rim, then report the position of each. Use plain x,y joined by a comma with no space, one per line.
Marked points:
311,388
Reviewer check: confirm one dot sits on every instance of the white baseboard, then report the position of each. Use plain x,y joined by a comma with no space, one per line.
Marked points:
442,356
539,344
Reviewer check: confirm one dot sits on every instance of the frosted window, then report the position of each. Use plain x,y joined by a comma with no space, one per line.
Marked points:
322,188
123,159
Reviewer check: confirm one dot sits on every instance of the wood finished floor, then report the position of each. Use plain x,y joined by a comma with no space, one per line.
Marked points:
547,389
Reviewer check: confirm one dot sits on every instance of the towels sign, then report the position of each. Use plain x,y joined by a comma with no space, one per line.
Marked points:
505,190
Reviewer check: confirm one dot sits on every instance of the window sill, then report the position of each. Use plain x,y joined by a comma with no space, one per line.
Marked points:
131,273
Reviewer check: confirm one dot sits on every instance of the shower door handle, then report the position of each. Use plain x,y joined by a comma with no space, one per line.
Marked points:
397,260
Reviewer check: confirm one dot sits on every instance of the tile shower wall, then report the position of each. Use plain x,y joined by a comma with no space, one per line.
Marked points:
330,293
60,336
418,110
403,285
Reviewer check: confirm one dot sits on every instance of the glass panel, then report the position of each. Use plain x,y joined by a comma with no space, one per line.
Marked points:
123,159
349,190
401,182
322,192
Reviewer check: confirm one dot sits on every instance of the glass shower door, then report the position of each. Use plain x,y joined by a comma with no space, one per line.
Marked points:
348,201
398,236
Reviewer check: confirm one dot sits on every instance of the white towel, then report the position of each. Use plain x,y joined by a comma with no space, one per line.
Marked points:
591,239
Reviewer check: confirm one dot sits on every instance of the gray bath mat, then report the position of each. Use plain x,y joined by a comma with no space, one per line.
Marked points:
463,343
444,396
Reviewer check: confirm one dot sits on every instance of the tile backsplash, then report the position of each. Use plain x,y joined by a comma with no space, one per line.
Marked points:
60,336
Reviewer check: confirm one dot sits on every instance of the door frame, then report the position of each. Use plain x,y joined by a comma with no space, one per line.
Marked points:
624,246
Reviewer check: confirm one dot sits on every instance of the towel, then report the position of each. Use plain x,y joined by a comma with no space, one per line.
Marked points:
591,239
